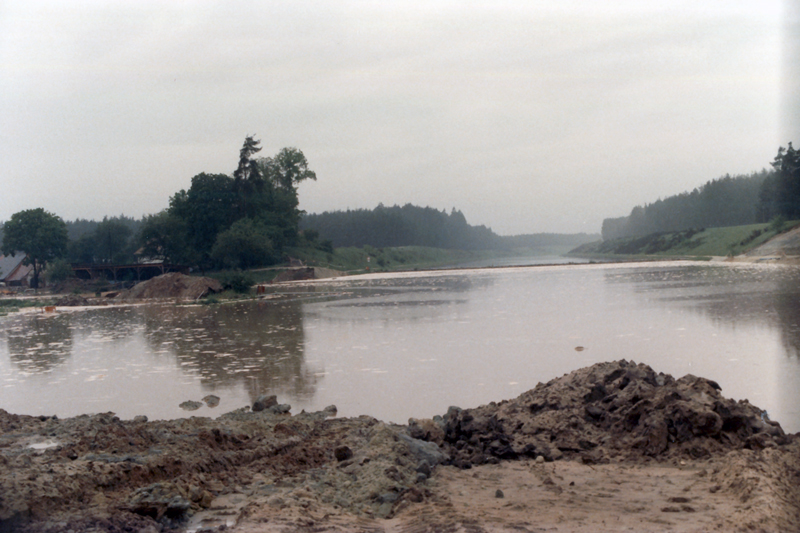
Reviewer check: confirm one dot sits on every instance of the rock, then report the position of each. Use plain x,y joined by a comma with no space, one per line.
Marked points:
424,467
211,400
206,498
424,451
140,419
276,501
426,429
158,501
499,494
280,409
264,401
342,453
190,405
384,511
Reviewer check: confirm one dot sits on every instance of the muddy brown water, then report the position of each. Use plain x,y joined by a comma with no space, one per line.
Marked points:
402,345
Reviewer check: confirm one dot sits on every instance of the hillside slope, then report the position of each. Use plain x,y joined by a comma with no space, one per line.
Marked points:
732,241
783,245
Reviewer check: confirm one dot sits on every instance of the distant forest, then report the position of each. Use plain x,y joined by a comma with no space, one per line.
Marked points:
400,226
726,201
411,225
250,219
111,240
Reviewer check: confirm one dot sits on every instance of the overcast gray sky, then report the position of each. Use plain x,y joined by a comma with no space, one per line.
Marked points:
529,116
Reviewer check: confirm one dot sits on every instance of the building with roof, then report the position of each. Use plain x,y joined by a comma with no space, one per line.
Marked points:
13,272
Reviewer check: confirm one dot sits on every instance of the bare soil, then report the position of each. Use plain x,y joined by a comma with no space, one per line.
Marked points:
611,447
173,285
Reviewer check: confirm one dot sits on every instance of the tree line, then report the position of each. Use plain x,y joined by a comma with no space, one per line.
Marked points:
726,201
411,225
408,225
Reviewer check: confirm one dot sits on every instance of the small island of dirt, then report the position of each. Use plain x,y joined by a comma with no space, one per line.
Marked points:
611,447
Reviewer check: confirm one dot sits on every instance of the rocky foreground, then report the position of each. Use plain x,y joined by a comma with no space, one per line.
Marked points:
609,447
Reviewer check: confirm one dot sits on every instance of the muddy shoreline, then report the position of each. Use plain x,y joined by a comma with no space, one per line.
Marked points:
605,447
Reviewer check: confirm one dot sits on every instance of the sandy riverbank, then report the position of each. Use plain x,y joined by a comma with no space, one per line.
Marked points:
615,446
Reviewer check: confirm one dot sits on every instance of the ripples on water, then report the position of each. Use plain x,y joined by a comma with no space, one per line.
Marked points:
401,345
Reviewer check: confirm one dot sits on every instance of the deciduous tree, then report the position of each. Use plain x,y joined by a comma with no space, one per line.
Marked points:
42,236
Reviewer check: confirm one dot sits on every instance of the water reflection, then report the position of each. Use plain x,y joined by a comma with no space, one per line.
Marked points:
39,343
415,343
787,307
733,296
257,345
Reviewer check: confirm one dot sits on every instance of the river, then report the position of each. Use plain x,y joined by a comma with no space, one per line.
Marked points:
395,346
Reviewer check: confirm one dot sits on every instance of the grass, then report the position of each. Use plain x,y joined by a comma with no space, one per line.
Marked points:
11,305
697,244
354,260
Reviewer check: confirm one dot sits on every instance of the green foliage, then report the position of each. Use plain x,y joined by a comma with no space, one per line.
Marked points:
781,196
401,226
81,250
246,244
777,224
80,227
165,236
206,209
58,270
108,241
727,201
111,242
8,305
262,193
239,282
352,259
732,240
37,233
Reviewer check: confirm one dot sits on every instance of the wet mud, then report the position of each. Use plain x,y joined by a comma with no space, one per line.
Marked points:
611,440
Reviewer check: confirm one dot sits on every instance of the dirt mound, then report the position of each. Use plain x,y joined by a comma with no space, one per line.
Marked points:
173,285
608,411
268,471
102,470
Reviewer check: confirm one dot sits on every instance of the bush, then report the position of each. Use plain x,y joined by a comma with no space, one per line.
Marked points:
777,224
58,270
246,244
236,281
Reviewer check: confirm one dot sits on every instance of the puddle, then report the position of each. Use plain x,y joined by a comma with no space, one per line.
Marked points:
41,446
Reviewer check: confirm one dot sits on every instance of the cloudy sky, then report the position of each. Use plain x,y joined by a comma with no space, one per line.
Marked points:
529,116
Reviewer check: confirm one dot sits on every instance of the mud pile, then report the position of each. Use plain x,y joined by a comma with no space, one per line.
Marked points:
609,411
173,285
102,473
